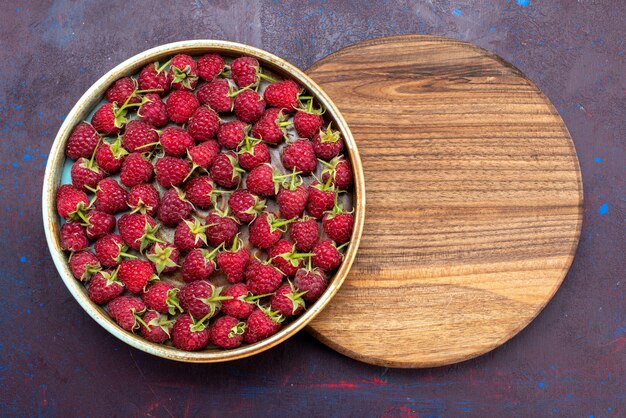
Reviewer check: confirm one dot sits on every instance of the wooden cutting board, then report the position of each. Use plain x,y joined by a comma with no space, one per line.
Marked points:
474,201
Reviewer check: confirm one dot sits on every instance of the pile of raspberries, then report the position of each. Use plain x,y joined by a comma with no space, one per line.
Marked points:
209,202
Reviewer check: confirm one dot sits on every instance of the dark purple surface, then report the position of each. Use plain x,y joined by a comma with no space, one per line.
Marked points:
56,361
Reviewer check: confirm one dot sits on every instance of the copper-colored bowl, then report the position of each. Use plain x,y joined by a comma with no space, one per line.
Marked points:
81,111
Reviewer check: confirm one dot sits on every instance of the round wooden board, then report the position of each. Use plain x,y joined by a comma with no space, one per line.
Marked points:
474,201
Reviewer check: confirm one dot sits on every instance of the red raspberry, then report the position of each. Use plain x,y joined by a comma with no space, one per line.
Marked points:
104,287
292,198
327,256
249,106
244,71
244,205
157,327
262,324
253,154
327,145
189,234
210,66
162,297
283,95
83,265
217,95
287,300
153,77
73,236
110,156
137,230
121,90
199,191
311,281
153,111
339,171
125,310
110,196
284,257
234,262
321,199
174,207
139,136
266,230
82,142
171,171
227,332
204,154
204,124
135,274
221,228
231,134
143,198
189,335
338,224
164,257
307,124
183,72
271,126
262,278
225,170
109,119
201,298
176,141
242,303
181,105
86,174
71,202
262,181
299,156
198,265
305,233
99,224
110,250
136,169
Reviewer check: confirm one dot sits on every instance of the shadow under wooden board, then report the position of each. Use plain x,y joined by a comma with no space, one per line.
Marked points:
474,201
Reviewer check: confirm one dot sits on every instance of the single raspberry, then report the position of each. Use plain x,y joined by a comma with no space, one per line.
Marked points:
82,142
327,255
283,95
199,264
210,66
201,298
292,197
227,332
338,224
139,136
271,126
188,334
154,77
181,105
99,224
156,327
110,118
204,124
263,181
123,89
83,265
321,198
253,153
221,228
104,287
244,205
262,324
262,277
308,121
126,311
86,174
242,303
225,170
143,198
299,156
71,202
165,257
183,72
327,144
248,106
204,154
136,169
231,134
305,233
233,262
245,71
266,230
110,196
284,257
171,171
176,141
174,207
339,172
287,300
189,234
138,231
135,274
73,236
313,281
153,111
111,156
199,191
162,297
110,250
217,95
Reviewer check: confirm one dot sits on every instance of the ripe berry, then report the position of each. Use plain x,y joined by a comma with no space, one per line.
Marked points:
110,196
165,257
183,72
321,198
283,95
287,300
299,156
244,71
174,207
135,274
244,205
225,170
249,106
209,66
171,171
156,327
338,224
263,181
217,95
110,250
153,111
110,156
313,281
139,136
204,124
339,172
104,287
231,134
271,126
73,236
199,264
198,191
221,228
305,233
181,105
201,298
162,297
109,119
71,202
308,121
262,277
327,256
242,303
266,230
227,332
188,334
204,154
327,144
154,77
176,141
137,230
253,153
262,323
82,142
189,234
284,257
292,198
86,174
83,265
99,224
126,311
136,169
143,198
121,91
233,262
